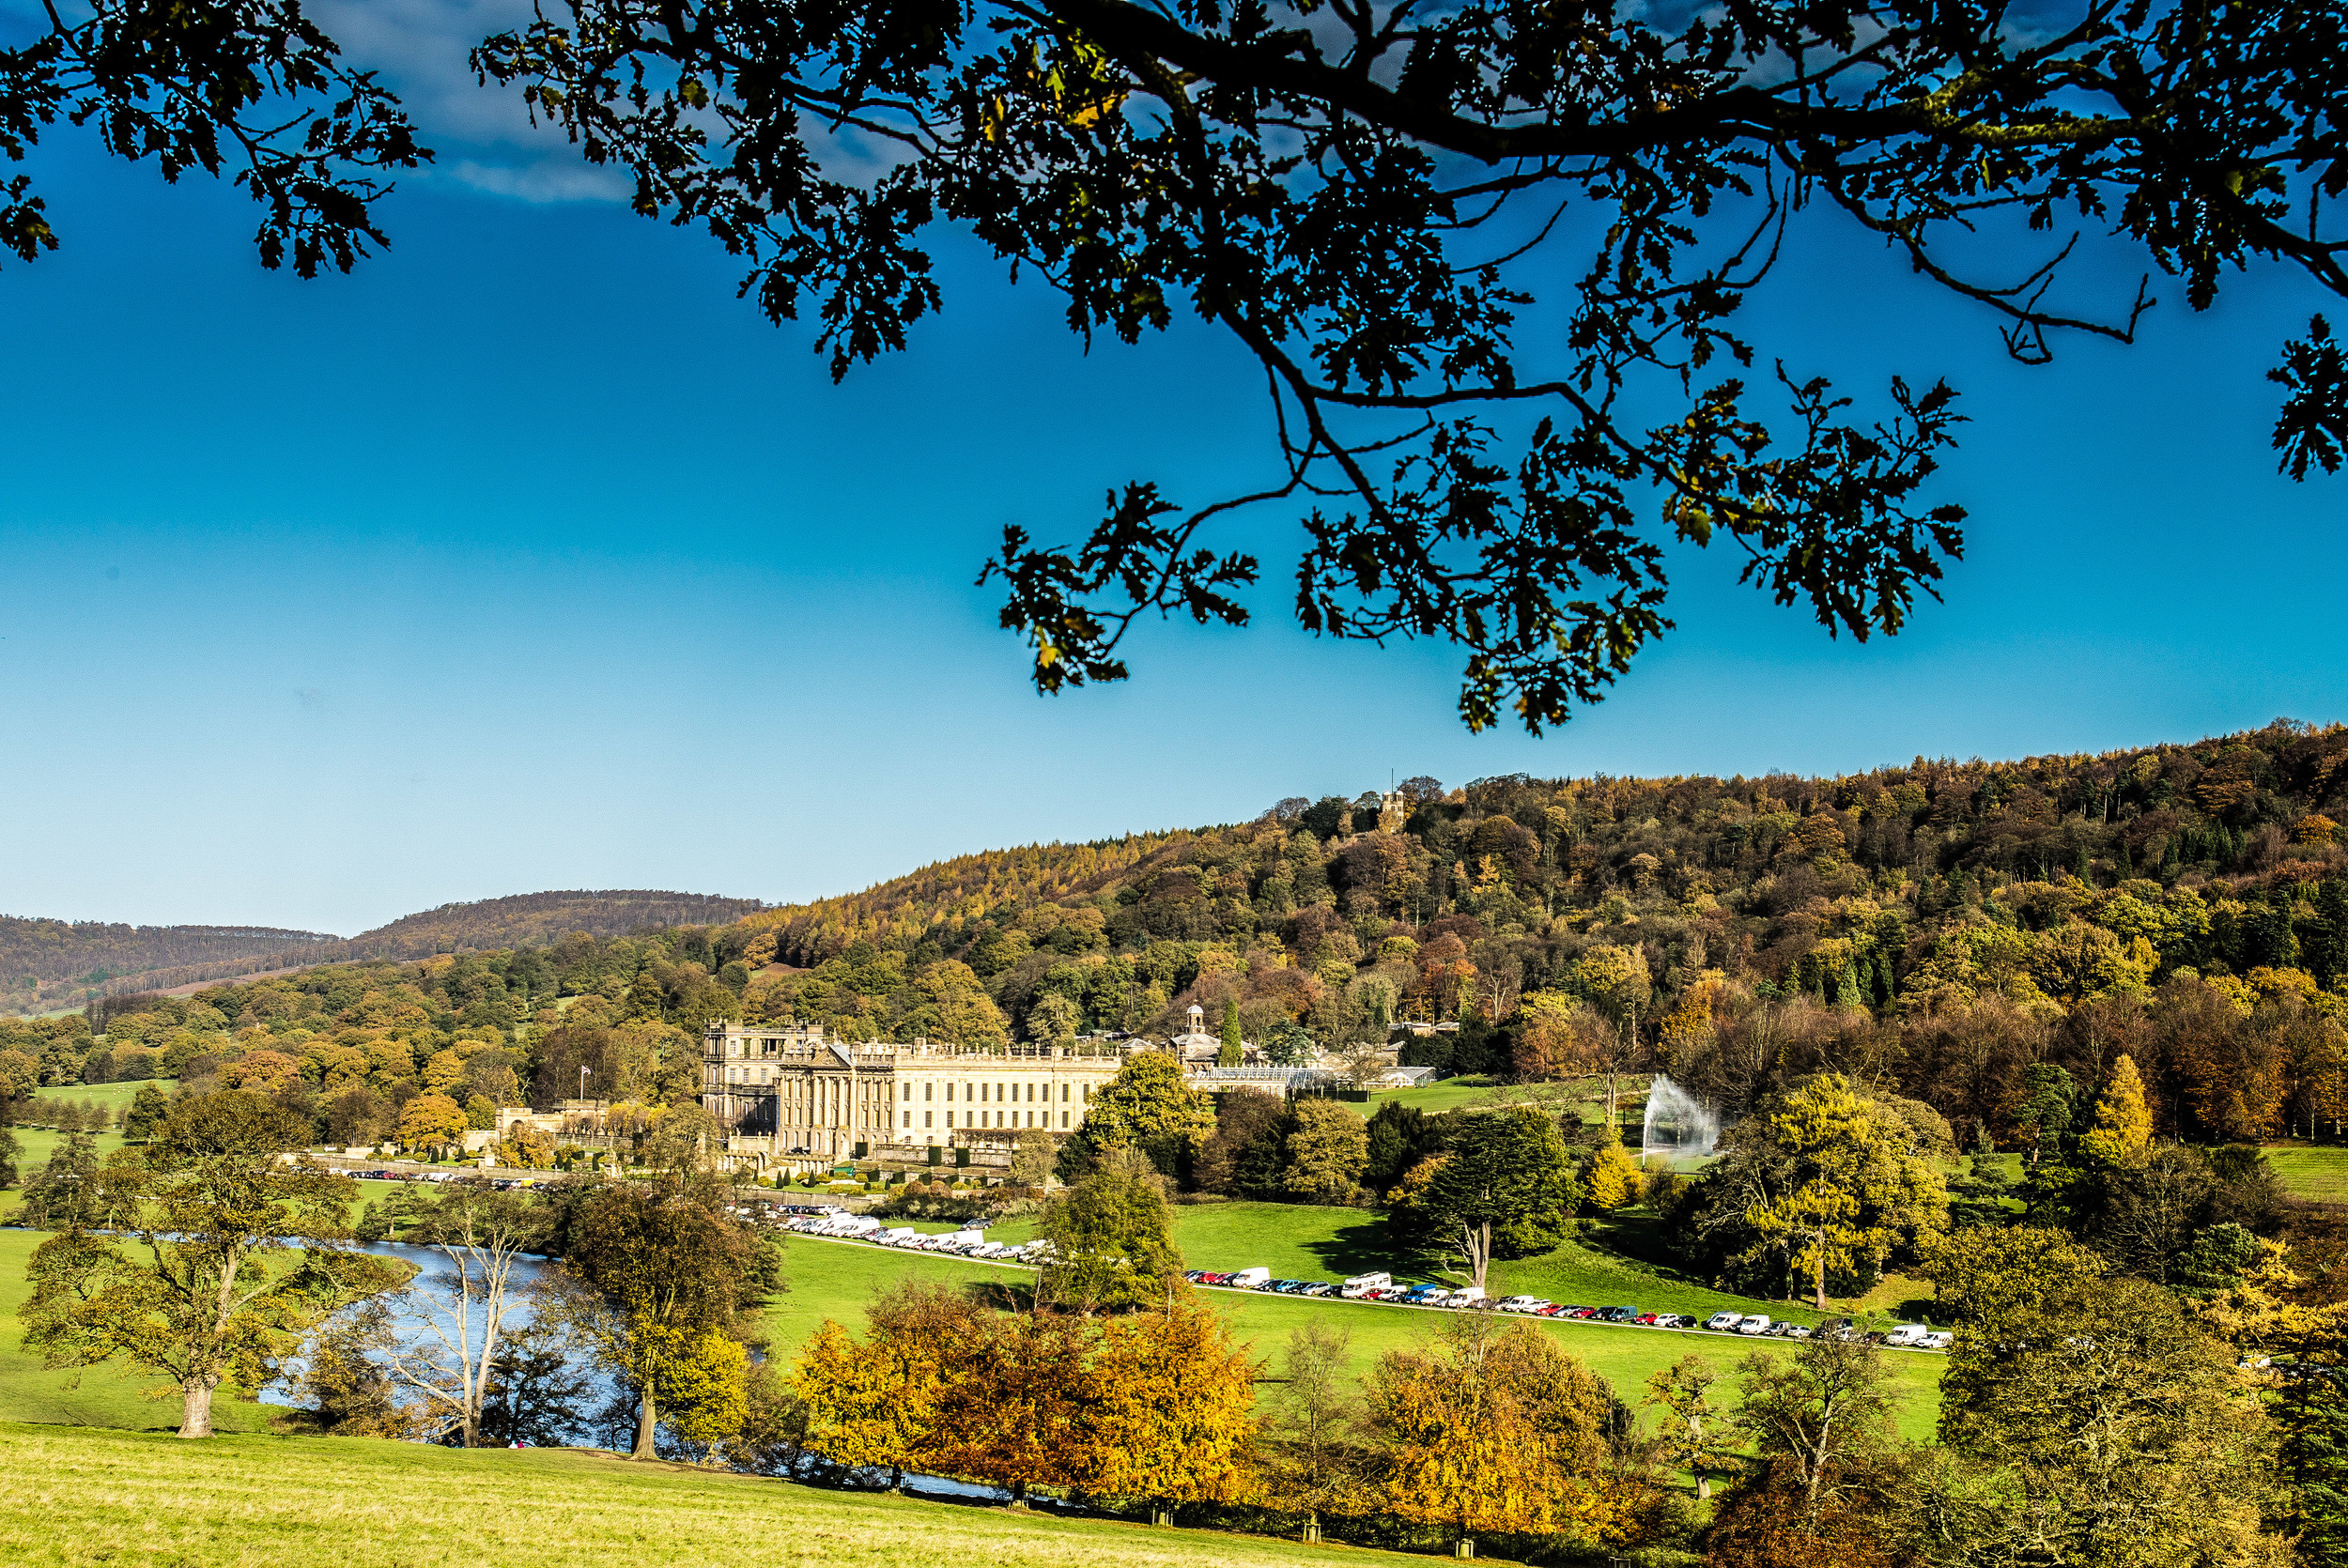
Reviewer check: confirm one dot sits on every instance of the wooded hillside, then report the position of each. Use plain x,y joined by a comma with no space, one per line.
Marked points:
1941,928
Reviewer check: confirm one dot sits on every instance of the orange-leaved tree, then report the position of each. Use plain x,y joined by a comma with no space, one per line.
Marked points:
1171,1401
1494,1428
1014,1412
872,1404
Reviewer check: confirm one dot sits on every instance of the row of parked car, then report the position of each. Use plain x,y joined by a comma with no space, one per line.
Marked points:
1383,1287
840,1227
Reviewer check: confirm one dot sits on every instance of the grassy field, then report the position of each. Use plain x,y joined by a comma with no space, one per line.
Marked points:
2320,1174
78,1498
114,1096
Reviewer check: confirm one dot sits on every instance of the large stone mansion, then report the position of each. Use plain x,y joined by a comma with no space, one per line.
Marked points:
789,1092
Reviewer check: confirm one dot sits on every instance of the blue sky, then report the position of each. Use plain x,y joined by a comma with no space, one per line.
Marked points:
527,557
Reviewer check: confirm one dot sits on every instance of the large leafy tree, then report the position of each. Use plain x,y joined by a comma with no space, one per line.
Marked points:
1492,1427
1822,1186
215,1258
1363,196
872,1403
673,1275
1149,1107
1173,1396
2111,1429
1111,1238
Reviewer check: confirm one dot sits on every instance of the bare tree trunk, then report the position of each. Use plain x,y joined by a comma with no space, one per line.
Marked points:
1478,1243
195,1407
643,1427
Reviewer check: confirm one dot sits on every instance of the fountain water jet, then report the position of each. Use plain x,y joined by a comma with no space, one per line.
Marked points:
1678,1126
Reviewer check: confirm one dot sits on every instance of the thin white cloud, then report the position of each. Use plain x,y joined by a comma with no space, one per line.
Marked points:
542,181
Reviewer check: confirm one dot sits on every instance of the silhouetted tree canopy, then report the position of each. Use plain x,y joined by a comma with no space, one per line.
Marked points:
1365,196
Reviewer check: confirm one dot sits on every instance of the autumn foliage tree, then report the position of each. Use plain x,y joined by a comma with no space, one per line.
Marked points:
1494,1428
1151,1405
872,1403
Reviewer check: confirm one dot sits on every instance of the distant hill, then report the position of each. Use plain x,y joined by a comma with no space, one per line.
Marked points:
50,964
536,919
47,964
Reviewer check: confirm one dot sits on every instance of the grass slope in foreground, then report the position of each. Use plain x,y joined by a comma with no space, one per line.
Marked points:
84,1497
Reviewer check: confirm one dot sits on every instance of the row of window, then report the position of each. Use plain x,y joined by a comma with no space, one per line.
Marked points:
1002,1091
981,1120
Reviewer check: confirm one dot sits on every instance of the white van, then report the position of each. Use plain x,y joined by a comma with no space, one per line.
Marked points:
1757,1324
1939,1341
1723,1322
1249,1279
1905,1337
1362,1284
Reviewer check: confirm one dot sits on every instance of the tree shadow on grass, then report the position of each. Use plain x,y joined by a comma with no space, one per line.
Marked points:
1360,1248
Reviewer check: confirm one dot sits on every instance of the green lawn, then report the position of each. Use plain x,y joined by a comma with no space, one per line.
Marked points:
87,1497
2320,1174
1451,1094
111,1096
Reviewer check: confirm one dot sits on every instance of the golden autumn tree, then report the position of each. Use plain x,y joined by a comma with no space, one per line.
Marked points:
1494,1428
873,1404
1013,1412
1614,1179
2122,1133
1170,1401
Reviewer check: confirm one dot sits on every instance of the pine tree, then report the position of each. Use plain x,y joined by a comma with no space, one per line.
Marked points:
1234,1050
2325,948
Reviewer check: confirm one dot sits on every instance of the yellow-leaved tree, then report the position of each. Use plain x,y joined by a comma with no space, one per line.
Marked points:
2122,1133
873,1404
1173,1407
1614,1179
1838,1185
1496,1427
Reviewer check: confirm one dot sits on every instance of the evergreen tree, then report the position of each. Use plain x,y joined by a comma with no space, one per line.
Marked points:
1978,1197
2312,1409
1399,1138
2326,949
1233,1049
